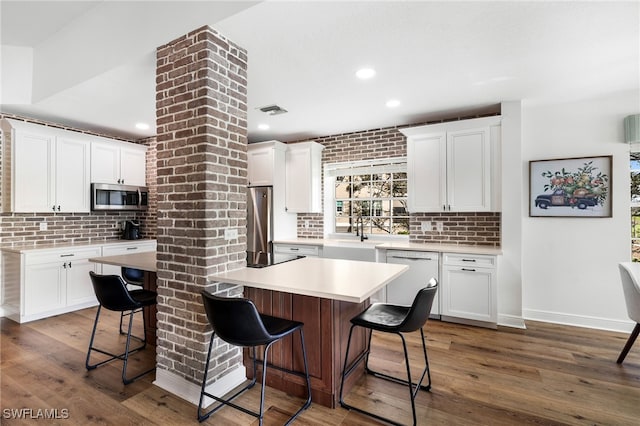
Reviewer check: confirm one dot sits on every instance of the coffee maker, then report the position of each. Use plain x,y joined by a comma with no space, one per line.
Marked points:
131,230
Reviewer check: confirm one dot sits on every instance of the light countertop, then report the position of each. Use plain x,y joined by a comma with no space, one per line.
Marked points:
337,279
24,248
145,261
394,245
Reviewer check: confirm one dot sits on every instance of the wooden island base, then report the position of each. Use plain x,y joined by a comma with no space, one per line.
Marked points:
326,331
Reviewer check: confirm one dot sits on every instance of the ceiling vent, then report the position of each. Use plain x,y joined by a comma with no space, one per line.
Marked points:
273,110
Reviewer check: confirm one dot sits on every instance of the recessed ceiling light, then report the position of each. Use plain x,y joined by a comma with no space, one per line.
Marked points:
365,73
142,126
263,126
392,103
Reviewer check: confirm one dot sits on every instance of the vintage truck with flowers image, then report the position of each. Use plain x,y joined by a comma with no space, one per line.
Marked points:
584,188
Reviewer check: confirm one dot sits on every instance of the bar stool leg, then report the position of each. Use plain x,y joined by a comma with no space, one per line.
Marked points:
202,417
412,395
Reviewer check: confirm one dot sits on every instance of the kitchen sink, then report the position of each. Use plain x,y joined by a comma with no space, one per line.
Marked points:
350,249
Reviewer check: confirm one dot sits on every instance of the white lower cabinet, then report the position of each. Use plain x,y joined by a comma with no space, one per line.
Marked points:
39,283
53,282
469,288
78,284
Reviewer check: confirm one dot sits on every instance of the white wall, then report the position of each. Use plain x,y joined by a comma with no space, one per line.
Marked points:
16,72
510,263
569,268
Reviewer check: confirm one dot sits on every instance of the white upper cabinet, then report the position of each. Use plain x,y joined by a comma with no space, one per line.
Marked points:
72,174
451,167
118,163
263,160
45,169
426,167
303,177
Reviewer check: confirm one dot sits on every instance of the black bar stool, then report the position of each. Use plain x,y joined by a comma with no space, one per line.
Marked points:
237,321
393,319
113,295
131,276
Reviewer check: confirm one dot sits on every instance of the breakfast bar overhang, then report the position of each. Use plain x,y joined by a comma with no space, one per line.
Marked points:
324,294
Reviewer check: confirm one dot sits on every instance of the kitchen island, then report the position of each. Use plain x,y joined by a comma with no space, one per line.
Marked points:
324,294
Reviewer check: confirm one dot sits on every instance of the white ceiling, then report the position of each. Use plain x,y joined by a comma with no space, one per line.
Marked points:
91,64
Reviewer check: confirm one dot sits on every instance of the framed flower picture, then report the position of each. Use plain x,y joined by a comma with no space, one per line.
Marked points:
570,187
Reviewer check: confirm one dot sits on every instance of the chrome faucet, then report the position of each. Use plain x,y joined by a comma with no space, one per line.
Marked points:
360,229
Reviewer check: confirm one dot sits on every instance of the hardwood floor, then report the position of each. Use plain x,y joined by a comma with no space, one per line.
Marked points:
545,375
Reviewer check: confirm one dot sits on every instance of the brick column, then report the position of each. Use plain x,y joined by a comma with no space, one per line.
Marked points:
201,106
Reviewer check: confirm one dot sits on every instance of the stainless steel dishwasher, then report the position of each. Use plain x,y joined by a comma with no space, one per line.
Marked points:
423,265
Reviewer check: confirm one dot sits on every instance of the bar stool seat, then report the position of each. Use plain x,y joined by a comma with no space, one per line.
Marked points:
237,321
395,319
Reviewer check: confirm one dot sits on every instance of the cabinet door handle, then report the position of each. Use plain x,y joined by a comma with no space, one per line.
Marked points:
58,208
468,269
293,249
412,258
468,260
69,265
132,248
67,255
53,208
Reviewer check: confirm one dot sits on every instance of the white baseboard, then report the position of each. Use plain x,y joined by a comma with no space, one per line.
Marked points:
511,321
623,326
2,314
189,391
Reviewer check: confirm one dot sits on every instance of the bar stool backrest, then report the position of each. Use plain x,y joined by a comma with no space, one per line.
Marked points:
236,320
132,275
112,293
420,309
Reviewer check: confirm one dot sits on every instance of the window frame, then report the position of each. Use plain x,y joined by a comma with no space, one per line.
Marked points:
376,166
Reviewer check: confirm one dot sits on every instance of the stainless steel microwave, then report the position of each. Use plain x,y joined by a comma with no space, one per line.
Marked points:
105,196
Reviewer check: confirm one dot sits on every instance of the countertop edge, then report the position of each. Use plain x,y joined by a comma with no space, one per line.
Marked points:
400,245
27,248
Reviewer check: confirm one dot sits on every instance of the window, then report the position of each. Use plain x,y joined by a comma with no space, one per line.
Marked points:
374,191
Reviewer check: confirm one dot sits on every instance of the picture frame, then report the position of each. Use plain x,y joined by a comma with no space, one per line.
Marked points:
571,187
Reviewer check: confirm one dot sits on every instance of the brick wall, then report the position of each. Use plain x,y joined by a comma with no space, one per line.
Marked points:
201,184
459,228
67,228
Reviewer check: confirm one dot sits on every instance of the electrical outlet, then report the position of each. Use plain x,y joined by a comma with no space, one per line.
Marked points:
425,226
439,226
230,234
43,226
306,223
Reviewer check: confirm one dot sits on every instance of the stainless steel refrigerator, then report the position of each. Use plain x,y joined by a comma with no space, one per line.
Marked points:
259,225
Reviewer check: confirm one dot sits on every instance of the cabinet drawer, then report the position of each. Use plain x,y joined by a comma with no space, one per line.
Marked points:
477,260
63,255
300,249
116,249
